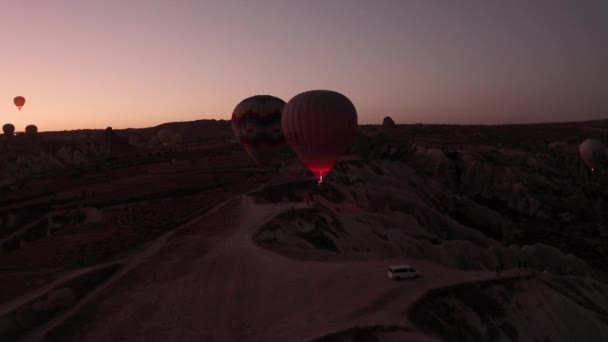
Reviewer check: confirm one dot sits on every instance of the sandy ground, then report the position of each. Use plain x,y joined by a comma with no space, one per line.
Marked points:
209,282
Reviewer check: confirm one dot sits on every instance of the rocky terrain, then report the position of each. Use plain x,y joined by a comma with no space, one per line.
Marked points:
546,307
440,199
24,156
469,198
464,197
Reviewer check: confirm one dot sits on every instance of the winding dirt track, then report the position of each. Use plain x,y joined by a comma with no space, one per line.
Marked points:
209,282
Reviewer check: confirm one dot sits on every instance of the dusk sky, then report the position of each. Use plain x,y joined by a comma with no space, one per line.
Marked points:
139,63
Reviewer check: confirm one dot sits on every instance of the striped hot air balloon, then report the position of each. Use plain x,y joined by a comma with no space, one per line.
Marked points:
319,125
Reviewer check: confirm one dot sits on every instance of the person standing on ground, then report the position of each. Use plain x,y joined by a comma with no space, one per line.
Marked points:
497,270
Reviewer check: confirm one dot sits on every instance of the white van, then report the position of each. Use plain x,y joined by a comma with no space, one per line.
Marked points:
402,272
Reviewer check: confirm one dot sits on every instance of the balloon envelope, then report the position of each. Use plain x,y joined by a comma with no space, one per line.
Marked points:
19,101
319,125
8,129
31,129
256,123
593,153
388,122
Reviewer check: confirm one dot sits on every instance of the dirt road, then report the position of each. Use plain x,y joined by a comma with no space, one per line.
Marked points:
209,282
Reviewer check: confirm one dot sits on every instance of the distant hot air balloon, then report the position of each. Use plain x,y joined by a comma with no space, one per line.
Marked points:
388,122
135,140
593,153
8,129
319,125
256,123
19,101
31,129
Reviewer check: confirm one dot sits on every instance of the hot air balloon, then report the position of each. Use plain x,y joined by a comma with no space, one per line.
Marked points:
388,122
31,129
593,153
256,123
8,129
319,125
19,101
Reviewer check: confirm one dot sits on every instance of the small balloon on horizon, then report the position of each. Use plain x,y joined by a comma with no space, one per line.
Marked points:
8,129
31,129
